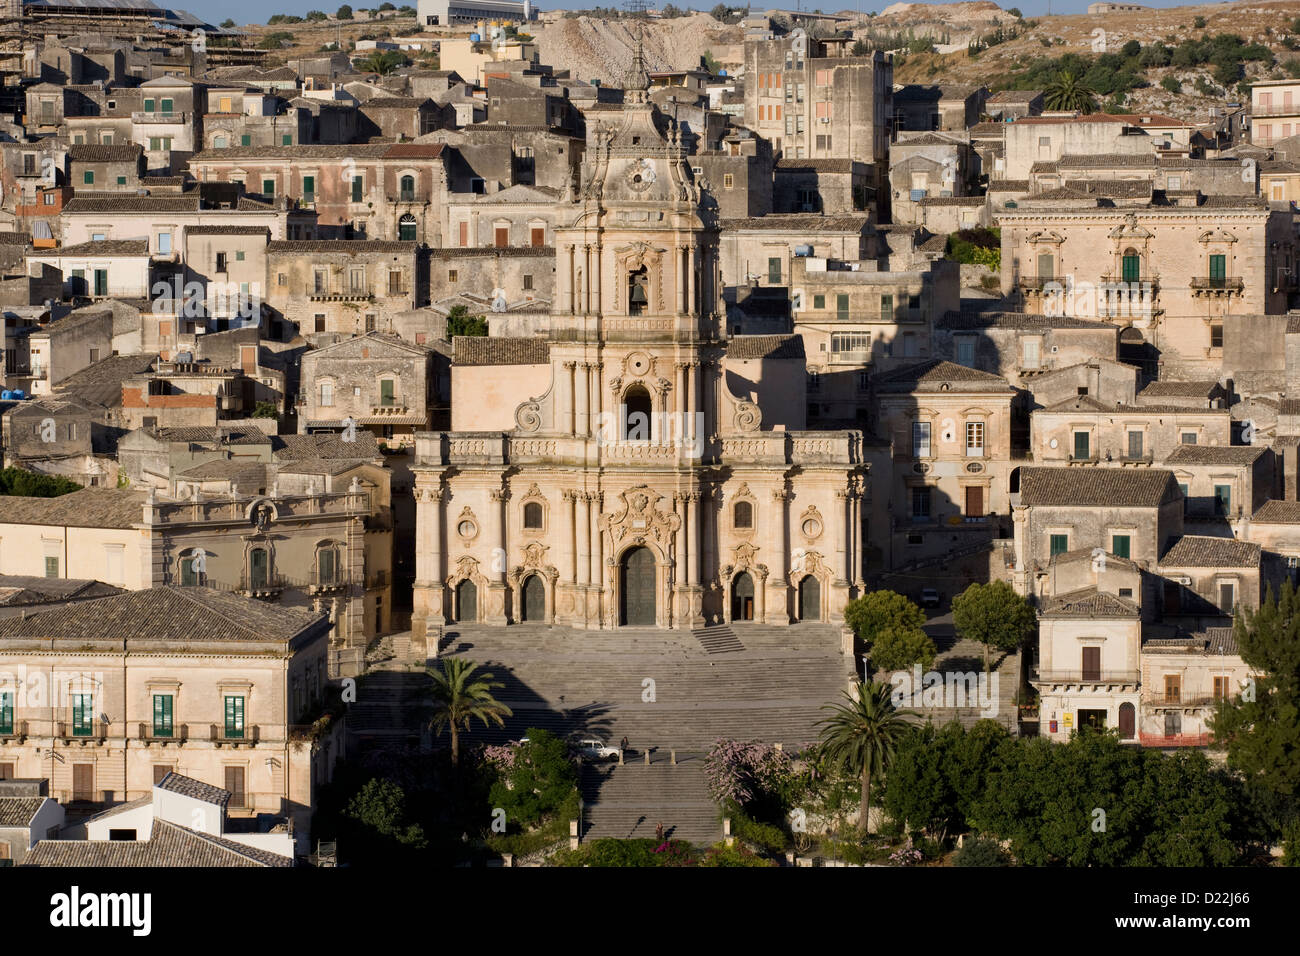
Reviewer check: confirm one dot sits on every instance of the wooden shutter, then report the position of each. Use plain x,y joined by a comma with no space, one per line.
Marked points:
539,236
502,237
1092,663
974,501
83,781
161,770
235,784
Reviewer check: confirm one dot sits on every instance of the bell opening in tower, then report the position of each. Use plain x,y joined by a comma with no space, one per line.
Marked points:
637,300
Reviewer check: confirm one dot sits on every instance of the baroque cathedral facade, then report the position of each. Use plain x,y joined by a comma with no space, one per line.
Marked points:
638,468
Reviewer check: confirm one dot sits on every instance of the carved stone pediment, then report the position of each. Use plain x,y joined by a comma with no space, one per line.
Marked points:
1045,236
1215,235
641,518
1130,229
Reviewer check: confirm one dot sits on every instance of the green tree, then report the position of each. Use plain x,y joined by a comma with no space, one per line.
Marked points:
382,62
29,484
265,410
541,780
227,23
872,613
316,16
1260,726
344,13
377,821
1154,55
980,851
1171,84
994,615
861,48
1199,23
897,649
459,695
1065,92
861,737
460,322
1015,12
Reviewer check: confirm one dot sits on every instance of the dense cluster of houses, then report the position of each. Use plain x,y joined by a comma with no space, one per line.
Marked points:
242,309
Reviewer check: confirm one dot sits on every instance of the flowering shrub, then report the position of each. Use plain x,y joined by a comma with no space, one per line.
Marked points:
744,772
501,756
906,855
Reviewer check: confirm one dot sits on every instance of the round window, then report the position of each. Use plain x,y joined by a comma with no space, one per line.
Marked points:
812,527
466,529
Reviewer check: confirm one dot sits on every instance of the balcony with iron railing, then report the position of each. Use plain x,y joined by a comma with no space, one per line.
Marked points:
1035,283
247,736
350,295
1217,285
1174,740
330,582
14,731
1160,701
263,587
94,733
1083,677
173,117
1283,109
149,734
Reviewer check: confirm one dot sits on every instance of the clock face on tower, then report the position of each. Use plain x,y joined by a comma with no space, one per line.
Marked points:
641,175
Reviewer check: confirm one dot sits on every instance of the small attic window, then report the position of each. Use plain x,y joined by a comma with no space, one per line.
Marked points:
636,140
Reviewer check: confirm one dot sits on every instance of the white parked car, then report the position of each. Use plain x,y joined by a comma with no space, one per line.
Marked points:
594,749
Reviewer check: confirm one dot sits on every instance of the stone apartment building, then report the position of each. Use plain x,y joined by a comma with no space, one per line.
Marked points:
1274,110
511,217
383,384
297,548
738,174
930,165
1084,429
1021,346
387,191
855,319
1037,139
108,697
1171,275
341,287
238,115
115,168
55,437
813,100
117,268
926,107
950,429
63,348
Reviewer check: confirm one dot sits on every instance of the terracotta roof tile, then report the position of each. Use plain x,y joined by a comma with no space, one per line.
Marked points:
1097,487
1205,551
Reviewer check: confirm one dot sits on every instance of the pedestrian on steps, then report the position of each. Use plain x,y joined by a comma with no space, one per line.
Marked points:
659,832
623,745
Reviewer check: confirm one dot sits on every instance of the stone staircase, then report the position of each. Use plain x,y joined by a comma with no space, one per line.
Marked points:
958,660
660,689
391,709
719,640
626,802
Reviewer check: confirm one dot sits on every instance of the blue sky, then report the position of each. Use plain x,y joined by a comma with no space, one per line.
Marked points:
257,11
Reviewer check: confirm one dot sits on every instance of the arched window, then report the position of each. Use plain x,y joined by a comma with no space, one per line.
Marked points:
193,568
407,188
1132,266
406,228
327,565
743,514
259,569
636,414
533,515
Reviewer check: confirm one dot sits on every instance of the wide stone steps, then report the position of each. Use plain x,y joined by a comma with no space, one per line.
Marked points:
630,801
719,640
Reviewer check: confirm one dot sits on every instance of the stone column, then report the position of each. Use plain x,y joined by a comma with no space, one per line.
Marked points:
858,537
582,389
842,574
777,555
569,572
496,597
692,398
593,521
583,538
594,272
564,296
691,260
427,603
597,399
564,407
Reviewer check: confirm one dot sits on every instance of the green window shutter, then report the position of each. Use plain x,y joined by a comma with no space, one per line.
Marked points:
268,187
356,189
774,269
246,140
286,139
51,567
819,302
886,306
1119,546
148,106
1059,544
1218,269
167,106
234,717
83,714
121,180
88,177
1132,268
386,392
842,305
1081,445
162,715
1222,499
308,187
6,713
101,282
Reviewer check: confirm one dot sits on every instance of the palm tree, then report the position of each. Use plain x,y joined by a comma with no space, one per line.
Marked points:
458,695
1066,92
861,736
383,63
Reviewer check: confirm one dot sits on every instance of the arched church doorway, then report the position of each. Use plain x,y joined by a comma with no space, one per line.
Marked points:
637,588
466,602
742,597
810,599
534,603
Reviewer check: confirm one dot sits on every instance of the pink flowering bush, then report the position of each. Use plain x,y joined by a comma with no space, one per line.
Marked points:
501,756
743,773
